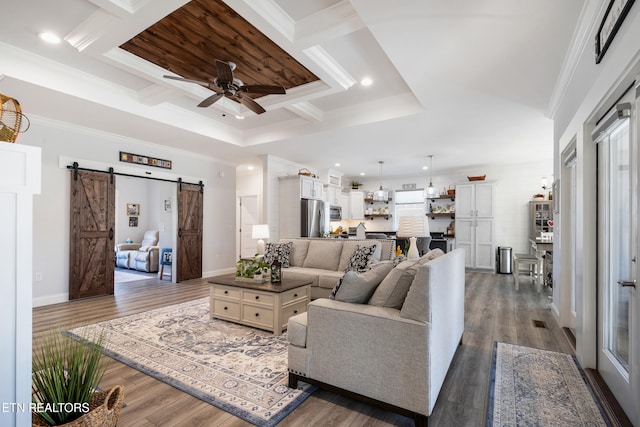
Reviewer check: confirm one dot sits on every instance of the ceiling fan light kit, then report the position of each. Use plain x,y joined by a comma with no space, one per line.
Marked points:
225,85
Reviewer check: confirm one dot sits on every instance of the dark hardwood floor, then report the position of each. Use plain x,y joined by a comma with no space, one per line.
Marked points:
494,311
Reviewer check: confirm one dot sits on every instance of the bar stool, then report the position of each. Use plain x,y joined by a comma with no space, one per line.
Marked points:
165,259
532,260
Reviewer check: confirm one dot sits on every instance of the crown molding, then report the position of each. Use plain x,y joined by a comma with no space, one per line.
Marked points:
325,61
580,42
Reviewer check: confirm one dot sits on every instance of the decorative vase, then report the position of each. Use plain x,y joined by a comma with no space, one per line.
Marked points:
413,249
104,411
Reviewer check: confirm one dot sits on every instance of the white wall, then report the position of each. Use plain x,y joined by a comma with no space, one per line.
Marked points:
51,209
592,89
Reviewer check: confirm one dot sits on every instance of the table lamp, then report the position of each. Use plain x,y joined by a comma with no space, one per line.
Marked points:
413,227
260,231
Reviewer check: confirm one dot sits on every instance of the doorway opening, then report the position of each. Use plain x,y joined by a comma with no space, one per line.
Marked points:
152,203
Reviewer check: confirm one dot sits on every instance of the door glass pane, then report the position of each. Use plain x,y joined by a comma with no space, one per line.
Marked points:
619,235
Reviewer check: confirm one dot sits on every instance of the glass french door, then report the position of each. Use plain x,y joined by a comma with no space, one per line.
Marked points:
617,266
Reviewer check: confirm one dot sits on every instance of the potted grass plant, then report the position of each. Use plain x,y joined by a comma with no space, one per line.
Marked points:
64,379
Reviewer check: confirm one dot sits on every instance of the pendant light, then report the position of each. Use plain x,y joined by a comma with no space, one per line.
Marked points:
431,190
380,194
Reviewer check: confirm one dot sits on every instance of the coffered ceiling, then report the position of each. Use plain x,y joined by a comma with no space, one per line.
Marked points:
470,82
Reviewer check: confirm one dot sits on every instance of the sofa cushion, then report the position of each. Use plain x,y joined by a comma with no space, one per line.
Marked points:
357,287
323,254
278,252
393,289
297,330
431,255
350,246
360,258
416,304
299,250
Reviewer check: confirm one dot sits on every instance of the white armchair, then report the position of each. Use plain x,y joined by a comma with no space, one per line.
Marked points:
141,256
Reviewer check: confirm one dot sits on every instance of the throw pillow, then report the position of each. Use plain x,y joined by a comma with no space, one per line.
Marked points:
323,254
360,258
431,255
416,305
279,252
393,289
357,287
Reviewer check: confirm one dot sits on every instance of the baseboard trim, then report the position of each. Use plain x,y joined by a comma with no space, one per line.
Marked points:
571,338
611,407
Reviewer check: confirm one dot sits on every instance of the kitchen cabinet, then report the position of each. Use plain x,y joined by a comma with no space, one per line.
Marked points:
333,195
311,188
356,205
475,223
541,213
345,204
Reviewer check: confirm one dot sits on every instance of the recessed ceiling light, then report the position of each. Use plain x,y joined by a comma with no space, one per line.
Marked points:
366,81
424,168
362,173
336,165
240,117
250,167
49,37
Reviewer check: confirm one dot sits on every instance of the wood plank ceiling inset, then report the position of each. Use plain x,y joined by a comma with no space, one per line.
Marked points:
189,40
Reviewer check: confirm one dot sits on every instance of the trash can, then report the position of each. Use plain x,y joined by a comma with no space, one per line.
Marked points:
503,260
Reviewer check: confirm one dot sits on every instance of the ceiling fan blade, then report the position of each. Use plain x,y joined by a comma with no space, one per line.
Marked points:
211,100
182,79
225,73
250,104
265,89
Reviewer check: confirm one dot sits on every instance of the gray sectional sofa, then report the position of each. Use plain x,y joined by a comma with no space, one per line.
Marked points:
395,355
323,261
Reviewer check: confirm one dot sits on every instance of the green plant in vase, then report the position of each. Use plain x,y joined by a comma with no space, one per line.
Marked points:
249,268
65,375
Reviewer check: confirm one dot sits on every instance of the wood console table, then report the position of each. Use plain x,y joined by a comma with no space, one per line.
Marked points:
260,305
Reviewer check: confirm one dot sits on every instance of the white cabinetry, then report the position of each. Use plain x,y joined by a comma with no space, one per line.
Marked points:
356,205
311,188
333,195
345,204
475,224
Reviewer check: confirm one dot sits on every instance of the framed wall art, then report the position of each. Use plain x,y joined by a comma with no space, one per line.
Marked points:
133,209
133,221
611,22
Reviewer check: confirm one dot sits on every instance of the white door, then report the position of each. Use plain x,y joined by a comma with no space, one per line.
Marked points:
248,217
465,239
484,200
465,204
484,251
617,259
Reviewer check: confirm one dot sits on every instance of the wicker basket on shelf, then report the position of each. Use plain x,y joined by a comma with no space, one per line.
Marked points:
477,178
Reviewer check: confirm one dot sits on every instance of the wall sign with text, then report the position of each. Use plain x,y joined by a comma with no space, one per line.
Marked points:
144,160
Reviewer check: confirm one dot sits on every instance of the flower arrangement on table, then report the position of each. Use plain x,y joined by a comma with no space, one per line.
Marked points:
251,269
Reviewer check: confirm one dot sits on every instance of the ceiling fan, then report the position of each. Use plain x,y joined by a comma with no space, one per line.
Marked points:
227,85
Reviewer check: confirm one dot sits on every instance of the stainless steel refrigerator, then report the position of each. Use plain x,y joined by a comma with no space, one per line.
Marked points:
312,218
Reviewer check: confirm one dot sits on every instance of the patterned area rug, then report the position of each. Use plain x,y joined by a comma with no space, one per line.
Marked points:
238,369
531,387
